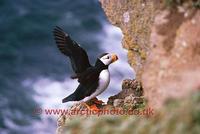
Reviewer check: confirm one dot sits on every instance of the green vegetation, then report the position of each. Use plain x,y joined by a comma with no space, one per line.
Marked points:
173,3
197,4
177,117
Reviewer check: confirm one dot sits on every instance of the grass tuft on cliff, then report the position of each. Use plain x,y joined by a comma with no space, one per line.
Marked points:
174,3
177,116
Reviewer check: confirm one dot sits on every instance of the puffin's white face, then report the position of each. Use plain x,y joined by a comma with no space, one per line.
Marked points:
109,58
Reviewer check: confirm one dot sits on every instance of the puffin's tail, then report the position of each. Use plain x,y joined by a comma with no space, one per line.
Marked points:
69,98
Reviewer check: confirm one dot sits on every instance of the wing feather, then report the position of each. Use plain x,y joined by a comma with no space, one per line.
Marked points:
78,56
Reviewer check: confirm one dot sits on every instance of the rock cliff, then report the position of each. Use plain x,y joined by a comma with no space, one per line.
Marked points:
162,39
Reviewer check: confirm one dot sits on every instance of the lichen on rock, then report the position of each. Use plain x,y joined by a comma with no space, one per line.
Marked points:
134,17
162,39
130,97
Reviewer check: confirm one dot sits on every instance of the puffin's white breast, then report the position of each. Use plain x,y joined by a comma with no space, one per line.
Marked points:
104,80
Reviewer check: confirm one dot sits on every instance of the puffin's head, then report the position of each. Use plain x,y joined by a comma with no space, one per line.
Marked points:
108,58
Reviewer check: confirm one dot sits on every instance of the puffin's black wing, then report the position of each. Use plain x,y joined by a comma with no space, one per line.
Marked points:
89,76
78,56
89,81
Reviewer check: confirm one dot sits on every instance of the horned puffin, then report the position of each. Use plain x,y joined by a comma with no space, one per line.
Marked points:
93,80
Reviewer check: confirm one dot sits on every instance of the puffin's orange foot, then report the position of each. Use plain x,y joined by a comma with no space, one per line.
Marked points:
94,108
96,101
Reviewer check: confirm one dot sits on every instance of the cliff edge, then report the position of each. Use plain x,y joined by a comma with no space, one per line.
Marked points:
162,39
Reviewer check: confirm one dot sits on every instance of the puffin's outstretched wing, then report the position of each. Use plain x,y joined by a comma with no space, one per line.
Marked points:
78,56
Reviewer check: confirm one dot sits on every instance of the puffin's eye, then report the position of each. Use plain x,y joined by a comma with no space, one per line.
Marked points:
107,57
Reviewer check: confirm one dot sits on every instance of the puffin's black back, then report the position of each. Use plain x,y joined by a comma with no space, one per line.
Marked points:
89,81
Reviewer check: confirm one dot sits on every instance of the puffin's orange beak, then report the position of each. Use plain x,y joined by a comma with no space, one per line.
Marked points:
114,58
